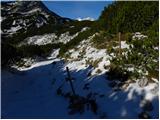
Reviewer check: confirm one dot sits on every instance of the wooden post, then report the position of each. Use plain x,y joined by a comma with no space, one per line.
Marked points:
70,81
119,37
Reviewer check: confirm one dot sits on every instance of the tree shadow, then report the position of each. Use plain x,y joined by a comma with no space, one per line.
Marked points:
44,88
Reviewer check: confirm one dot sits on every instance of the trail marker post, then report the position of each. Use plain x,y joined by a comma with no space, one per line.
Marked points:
119,37
70,81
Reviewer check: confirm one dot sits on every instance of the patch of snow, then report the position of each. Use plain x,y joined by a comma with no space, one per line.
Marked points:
156,48
13,30
134,87
50,38
45,14
2,18
89,55
35,91
40,39
40,22
155,80
32,11
131,69
87,18
124,45
65,37
14,22
54,54
72,26
84,29
139,36
76,65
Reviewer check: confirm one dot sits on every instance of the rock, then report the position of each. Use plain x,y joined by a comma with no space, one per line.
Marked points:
155,90
143,82
144,115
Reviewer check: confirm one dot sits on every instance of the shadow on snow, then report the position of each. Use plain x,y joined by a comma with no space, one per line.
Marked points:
43,92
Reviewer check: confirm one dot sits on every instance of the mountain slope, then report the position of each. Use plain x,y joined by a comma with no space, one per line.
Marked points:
109,70
28,18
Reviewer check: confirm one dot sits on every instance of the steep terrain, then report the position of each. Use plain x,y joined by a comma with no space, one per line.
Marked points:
108,69
31,20
41,91
19,17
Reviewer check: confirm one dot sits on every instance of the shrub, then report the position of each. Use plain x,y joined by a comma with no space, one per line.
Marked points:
117,73
36,50
101,40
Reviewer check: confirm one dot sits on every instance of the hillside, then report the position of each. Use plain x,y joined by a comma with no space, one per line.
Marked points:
130,16
112,62
21,20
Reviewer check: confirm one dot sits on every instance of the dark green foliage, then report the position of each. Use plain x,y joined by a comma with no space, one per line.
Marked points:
130,16
102,39
117,73
142,57
74,27
35,50
11,53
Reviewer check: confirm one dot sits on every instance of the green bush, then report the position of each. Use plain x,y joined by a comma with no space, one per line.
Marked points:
36,50
122,16
117,73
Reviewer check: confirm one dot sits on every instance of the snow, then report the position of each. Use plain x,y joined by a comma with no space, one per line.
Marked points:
2,18
40,39
131,69
14,29
156,48
14,22
155,80
33,93
50,38
87,18
84,29
65,37
123,45
54,54
45,14
88,55
147,90
32,11
40,22
76,65
138,36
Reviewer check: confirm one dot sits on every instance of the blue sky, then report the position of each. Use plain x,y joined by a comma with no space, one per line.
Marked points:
75,9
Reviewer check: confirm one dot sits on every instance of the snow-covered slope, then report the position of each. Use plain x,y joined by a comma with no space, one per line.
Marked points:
84,54
38,90
25,15
50,38
33,93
